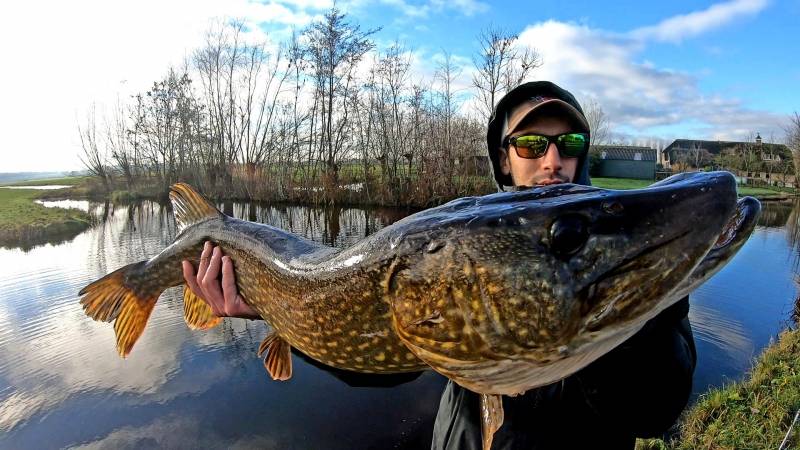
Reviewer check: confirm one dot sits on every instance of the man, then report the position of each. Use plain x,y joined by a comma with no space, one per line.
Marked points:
637,389
538,135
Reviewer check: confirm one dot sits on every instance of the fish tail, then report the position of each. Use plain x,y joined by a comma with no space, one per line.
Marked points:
117,297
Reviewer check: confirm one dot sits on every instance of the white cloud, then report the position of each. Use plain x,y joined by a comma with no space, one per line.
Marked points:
317,5
466,7
274,13
62,56
637,96
678,28
174,431
461,7
80,353
58,63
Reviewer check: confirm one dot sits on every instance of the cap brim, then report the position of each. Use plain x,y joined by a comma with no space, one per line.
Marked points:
555,103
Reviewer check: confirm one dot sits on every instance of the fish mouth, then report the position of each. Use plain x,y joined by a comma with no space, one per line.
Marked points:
740,224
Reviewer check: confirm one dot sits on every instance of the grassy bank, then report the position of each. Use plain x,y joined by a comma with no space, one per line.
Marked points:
762,193
625,183
620,183
87,187
754,413
24,222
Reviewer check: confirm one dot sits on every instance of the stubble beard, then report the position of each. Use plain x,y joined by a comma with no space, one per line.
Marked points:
543,180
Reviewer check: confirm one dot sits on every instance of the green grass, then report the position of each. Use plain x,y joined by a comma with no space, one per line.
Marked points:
64,181
24,221
757,192
754,413
627,183
620,183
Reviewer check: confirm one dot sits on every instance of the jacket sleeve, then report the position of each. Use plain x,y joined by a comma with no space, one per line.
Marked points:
645,383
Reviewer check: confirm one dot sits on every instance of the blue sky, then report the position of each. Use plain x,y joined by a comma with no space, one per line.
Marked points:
737,55
660,70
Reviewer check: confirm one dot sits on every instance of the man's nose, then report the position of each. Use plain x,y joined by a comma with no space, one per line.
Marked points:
551,161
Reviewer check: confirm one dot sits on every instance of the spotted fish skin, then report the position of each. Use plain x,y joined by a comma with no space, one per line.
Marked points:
500,293
495,297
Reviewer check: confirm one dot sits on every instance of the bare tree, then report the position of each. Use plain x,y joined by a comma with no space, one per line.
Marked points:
93,157
216,64
334,48
164,133
118,144
598,122
391,75
446,107
792,130
500,65
278,125
748,153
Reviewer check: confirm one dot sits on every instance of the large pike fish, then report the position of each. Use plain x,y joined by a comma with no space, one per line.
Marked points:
501,293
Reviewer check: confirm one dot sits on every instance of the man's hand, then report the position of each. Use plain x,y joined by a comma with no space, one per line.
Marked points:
222,296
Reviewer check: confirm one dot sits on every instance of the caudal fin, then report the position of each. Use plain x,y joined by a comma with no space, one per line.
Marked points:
113,298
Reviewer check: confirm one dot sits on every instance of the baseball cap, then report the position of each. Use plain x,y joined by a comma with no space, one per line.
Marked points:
517,115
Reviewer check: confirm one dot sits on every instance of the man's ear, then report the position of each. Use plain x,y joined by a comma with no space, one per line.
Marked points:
505,165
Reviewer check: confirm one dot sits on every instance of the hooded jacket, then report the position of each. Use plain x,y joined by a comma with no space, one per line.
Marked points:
497,128
636,390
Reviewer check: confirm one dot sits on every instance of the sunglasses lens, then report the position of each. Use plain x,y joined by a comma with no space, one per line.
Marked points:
573,144
531,146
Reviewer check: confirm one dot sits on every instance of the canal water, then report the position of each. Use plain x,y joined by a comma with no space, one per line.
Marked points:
63,385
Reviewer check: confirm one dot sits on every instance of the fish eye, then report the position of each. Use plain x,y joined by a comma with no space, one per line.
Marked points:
568,234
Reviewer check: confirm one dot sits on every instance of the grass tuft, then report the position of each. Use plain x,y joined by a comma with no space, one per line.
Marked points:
754,413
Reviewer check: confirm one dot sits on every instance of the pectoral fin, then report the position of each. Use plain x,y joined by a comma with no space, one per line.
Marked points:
278,360
196,312
491,417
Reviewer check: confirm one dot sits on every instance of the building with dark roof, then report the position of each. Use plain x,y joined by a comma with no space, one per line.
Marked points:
626,161
699,153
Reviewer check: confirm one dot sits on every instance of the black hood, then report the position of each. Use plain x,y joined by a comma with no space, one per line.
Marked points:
496,128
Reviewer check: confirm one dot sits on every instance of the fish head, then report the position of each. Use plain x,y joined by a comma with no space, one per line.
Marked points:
559,273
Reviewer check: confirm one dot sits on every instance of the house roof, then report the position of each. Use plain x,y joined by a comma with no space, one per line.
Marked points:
715,147
625,152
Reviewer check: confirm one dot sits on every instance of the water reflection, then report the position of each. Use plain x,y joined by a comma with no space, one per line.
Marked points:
740,310
785,215
83,205
181,388
334,226
775,214
728,335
